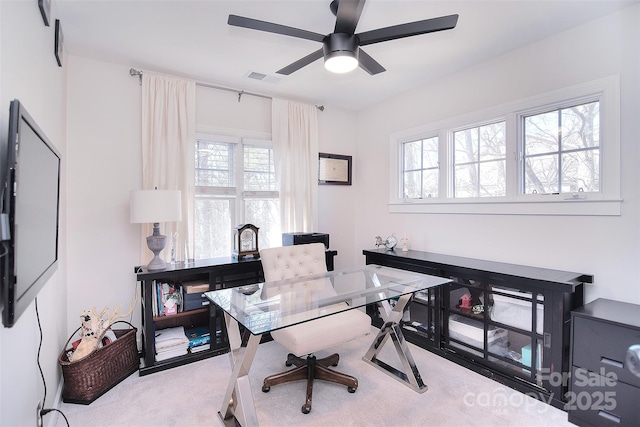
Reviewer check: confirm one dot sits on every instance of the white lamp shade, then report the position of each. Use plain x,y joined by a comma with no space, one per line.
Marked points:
151,206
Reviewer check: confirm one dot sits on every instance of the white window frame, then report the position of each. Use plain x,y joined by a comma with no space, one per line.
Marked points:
235,194
422,169
606,202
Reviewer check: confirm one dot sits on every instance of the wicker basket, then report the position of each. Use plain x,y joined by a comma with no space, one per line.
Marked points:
90,377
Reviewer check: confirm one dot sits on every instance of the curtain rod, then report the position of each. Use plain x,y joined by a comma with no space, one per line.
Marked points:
134,72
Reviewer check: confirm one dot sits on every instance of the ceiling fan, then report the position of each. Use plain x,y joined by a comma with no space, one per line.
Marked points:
341,49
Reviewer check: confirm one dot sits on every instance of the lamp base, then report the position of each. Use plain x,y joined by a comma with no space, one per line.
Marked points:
156,243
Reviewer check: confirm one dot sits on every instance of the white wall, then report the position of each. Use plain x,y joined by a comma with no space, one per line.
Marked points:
29,72
607,247
104,153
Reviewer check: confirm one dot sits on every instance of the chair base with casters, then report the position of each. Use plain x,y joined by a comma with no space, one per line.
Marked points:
310,368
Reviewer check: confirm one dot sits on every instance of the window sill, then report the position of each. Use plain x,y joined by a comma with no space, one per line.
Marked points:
580,207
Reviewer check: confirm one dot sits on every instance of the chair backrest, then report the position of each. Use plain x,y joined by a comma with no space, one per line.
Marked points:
287,262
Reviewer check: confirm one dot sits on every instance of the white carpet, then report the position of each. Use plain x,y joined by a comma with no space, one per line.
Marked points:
191,395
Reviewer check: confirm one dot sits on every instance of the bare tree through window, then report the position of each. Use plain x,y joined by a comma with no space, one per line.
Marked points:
562,150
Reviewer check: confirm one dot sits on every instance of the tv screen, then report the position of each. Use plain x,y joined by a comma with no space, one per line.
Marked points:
30,213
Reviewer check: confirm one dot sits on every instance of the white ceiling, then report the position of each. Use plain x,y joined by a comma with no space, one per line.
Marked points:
192,39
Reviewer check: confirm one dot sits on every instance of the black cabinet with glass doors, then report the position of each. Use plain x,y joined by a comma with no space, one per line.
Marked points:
202,275
508,322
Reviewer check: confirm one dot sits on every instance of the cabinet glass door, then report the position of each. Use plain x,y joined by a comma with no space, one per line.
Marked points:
502,325
421,315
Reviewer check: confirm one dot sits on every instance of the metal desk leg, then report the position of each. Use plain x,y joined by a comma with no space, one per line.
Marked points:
237,407
409,374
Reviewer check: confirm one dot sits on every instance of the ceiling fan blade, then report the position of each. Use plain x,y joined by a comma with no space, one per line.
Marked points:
348,15
407,30
301,62
369,64
255,24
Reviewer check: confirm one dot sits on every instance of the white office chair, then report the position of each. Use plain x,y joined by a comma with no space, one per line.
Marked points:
304,339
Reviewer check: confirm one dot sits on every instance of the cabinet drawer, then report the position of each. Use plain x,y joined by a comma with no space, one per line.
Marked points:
600,402
602,347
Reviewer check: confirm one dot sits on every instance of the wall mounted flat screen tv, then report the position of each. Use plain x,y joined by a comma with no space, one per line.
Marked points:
30,214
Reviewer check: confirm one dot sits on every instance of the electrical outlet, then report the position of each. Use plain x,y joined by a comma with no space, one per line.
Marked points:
39,415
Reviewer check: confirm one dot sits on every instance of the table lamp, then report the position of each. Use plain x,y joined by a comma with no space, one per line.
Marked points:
155,206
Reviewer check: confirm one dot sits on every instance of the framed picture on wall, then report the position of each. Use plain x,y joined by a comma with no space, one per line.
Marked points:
45,10
334,169
59,43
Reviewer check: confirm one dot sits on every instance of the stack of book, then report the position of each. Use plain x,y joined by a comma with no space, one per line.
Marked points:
171,342
199,338
167,299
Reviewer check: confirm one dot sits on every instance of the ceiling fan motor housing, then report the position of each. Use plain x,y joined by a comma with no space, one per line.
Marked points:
338,44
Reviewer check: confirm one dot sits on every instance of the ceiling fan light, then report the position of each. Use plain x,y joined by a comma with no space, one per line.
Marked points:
341,62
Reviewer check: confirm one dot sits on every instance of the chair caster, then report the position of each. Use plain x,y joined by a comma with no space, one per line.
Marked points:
288,364
349,389
265,389
306,409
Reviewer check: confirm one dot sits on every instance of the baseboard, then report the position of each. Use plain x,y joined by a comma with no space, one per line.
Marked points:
51,419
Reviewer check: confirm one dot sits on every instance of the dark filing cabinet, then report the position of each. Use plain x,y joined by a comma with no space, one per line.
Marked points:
605,365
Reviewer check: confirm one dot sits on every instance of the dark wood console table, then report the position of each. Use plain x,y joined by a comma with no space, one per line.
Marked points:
508,322
218,273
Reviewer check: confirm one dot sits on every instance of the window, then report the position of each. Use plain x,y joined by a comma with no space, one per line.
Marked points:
562,150
557,153
420,168
235,184
479,161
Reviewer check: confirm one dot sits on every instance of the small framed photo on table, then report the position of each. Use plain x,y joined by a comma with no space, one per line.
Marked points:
334,169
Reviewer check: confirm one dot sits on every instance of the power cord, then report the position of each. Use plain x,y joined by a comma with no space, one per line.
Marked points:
44,411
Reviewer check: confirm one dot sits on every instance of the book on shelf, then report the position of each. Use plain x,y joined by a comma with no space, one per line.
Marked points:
199,348
198,336
168,299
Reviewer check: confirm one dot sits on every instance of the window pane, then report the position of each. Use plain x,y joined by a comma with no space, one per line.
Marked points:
412,155
430,183
430,153
412,185
264,214
259,171
581,127
466,180
466,146
420,168
492,144
492,178
214,164
541,133
541,174
580,171
479,159
212,227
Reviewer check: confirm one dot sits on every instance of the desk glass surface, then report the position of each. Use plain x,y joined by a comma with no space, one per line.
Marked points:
268,306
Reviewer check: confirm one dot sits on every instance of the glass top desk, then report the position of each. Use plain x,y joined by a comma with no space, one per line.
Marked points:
269,306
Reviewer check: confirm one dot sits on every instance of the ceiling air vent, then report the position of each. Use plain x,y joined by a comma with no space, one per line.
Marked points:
263,77
257,76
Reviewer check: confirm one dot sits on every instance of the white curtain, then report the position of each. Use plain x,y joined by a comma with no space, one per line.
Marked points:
295,150
168,153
